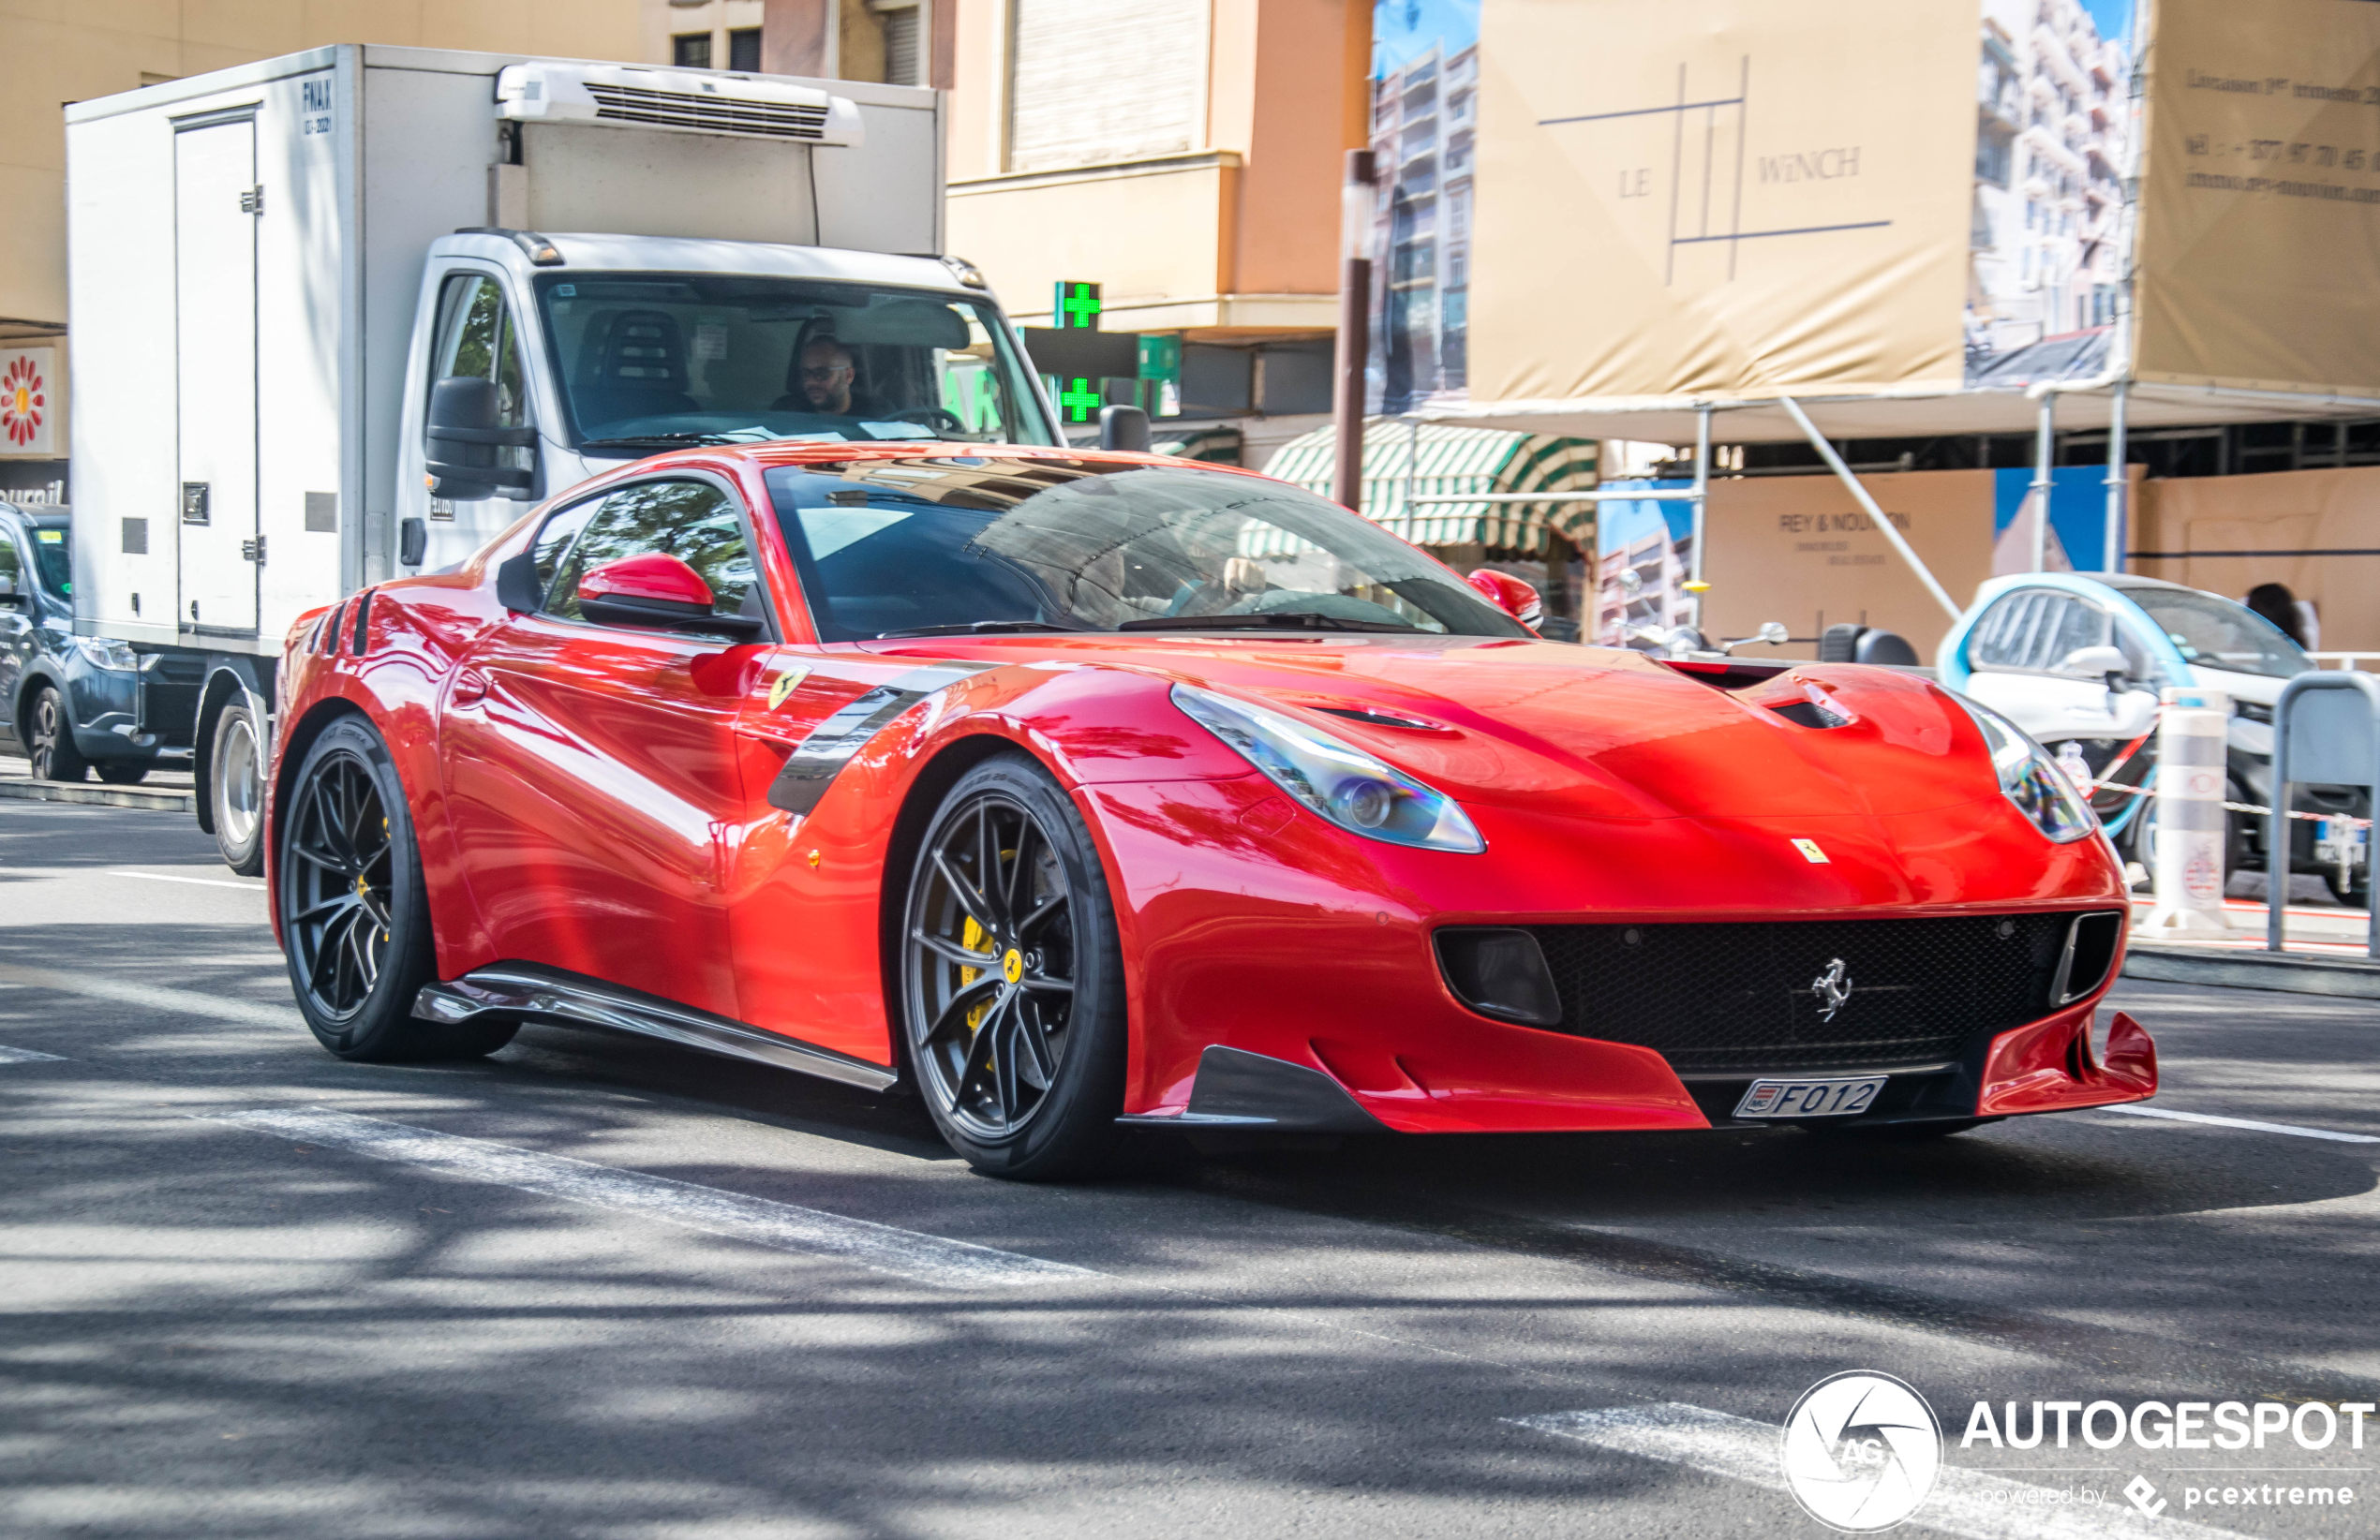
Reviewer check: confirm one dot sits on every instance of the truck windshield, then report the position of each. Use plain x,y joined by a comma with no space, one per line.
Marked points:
643,357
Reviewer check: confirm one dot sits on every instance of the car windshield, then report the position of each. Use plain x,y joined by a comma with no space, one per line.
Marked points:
51,559
2214,632
647,357
954,544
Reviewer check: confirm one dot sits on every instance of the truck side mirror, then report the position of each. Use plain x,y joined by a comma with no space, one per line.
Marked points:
9,595
1123,428
461,441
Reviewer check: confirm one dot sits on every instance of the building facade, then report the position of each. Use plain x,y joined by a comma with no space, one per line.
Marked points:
1424,116
52,53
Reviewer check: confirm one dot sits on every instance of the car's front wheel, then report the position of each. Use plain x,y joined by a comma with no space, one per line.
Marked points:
356,911
1012,977
51,742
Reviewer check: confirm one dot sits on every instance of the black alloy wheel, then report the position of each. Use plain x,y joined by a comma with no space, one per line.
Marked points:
356,920
340,864
53,754
1013,978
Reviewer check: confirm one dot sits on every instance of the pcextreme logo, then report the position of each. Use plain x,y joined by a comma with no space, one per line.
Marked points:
1861,1451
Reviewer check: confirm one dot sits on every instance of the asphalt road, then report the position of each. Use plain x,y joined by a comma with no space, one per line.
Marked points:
592,1287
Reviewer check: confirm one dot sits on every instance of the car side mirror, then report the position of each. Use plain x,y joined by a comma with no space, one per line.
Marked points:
2096,664
461,441
1510,594
657,591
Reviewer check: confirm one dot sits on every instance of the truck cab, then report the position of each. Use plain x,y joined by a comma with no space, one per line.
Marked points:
540,360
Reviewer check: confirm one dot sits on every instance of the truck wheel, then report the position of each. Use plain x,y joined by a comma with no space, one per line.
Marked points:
236,789
53,754
356,911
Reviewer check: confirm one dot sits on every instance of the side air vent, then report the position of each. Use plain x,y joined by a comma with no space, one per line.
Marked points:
623,96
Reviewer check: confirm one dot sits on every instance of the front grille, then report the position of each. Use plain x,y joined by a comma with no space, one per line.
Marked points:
709,114
1740,998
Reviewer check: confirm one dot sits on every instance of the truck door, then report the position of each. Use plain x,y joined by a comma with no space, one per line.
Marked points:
18,619
216,205
478,336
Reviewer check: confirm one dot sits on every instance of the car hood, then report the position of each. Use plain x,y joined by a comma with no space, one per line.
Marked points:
1591,731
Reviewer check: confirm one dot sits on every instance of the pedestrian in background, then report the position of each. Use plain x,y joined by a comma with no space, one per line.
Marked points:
2276,603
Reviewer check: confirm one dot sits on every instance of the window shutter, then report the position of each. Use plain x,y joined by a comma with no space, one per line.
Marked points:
1103,79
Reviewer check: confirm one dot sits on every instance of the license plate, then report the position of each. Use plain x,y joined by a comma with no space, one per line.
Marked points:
1808,1098
2337,841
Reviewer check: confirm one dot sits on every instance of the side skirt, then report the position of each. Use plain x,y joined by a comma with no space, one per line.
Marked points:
572,1000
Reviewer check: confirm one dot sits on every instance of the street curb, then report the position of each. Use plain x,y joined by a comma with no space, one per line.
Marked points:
105,796
2294,972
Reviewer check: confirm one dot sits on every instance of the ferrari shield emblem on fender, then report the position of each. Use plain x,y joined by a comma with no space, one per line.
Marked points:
1811,853
785,684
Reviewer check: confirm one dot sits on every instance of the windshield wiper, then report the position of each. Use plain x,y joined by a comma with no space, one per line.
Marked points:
715,436
980,627
1272,620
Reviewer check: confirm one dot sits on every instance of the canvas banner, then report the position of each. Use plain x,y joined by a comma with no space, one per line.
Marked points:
2260,196
1749,197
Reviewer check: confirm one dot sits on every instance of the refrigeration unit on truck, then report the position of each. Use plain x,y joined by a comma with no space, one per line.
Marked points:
346,314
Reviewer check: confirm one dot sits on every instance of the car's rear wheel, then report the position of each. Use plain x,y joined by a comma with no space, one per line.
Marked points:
124,772
1012,977
355,913
51,742
236,789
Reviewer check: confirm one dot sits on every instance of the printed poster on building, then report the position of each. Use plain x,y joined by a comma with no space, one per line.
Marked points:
2260,200
1744,198
28,401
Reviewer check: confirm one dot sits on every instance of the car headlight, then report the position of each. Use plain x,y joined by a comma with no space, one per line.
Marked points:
101,652
2032,779
1342,782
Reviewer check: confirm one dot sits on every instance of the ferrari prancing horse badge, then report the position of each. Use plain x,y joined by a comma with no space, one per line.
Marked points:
785,684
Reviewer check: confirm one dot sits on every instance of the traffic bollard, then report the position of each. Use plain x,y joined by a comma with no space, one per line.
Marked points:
2193,733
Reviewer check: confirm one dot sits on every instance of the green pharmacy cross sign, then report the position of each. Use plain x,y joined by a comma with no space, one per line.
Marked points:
1077,306
1079,400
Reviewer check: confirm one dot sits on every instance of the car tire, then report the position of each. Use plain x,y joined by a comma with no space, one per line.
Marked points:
354,908
50,738
236,789
1011,991
123,773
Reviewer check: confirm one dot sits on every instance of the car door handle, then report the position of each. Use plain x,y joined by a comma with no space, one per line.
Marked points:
470,687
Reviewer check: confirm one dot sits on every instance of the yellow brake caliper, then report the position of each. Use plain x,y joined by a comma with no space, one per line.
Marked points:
972,940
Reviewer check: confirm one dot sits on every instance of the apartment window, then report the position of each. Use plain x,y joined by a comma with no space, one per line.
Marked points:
743,50
903,37
691,51
1094,81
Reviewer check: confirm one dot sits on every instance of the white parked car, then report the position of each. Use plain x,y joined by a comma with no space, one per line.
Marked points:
2079,657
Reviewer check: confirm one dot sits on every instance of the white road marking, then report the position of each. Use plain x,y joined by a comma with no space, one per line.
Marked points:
783,1226
2247,1123
151,997
26,1056
1973,1504
198,881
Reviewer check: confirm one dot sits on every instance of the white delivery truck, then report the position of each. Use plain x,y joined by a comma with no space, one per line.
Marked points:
343,315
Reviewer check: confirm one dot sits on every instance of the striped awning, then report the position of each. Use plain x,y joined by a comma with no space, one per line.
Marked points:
1404,459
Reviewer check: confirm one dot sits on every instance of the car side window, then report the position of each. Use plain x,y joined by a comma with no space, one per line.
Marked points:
2000,637
552,543
10,568
693,521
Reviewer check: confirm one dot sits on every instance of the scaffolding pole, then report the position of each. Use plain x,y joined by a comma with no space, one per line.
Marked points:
2044,453
2119,484
1843,473
1694,584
